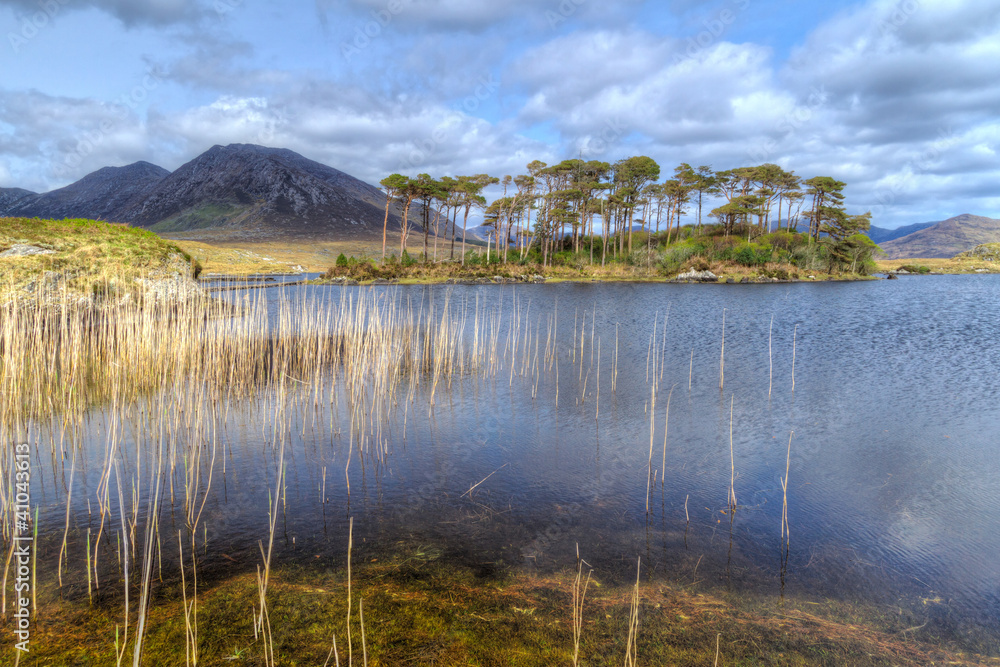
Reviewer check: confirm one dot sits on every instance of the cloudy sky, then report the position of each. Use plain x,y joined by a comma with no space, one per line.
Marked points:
900,99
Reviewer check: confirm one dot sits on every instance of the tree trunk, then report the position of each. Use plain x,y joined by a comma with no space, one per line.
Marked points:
454,219
465,230
405,230
427,227
385,225
437,223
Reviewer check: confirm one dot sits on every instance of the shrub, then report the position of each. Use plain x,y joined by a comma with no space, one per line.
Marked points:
751,254
341,261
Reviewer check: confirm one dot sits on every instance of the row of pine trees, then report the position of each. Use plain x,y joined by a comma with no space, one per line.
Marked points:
549,205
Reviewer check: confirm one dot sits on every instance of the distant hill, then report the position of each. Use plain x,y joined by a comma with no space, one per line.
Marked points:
98,196
235,192
946,238
881,235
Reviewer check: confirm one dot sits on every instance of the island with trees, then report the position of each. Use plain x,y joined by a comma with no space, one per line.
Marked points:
598,220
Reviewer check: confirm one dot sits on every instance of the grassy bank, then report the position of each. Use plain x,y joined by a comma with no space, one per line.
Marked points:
981,259
87,254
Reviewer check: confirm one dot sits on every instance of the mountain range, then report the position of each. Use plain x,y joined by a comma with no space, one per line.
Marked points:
881,234
238,192
941,239
946,238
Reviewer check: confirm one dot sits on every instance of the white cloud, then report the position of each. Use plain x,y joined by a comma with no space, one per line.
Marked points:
865,97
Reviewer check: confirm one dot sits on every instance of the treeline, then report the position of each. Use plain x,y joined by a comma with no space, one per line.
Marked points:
558,207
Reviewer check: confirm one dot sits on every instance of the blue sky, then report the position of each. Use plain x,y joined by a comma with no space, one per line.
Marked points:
897,98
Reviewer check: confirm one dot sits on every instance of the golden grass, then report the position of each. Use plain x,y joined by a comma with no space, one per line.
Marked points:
283,256
955,265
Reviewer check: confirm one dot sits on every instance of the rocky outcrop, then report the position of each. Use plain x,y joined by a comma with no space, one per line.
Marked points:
987,252
693,275
25,250
498,280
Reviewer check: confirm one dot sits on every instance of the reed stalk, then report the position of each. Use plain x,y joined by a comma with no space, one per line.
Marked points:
631,646
770,358
732,458
795,334
580,586
784,491
722,353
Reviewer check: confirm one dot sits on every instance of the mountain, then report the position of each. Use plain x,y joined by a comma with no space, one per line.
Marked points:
234,192
10,196
881,234
258,192
946,238
479,233
99,196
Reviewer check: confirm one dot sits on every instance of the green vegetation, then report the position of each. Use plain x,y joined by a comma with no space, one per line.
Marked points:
783,255
201,217
91,255
584,215
915,268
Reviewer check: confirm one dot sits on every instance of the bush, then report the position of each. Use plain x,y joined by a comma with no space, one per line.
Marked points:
341,261
751,254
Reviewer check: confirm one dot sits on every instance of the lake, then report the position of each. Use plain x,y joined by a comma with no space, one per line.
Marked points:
893,493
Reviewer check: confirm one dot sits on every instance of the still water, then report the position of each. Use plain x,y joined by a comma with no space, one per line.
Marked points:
893,483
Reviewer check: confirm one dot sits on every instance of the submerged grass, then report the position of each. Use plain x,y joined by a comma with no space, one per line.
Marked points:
439,614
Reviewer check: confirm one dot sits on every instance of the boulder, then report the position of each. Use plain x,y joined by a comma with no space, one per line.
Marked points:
699,276
25,250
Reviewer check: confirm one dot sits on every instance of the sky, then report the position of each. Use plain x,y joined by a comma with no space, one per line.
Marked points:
899,99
